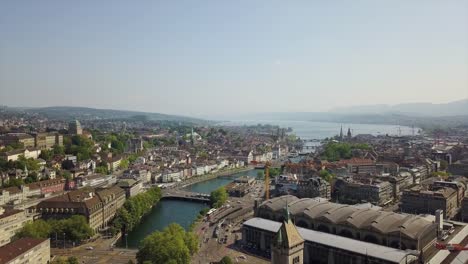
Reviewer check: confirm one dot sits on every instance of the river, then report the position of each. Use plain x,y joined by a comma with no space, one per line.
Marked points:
180,212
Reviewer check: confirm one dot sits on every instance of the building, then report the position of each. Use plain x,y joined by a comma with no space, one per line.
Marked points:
352,192
419,201
97,205
74,128
134,145
323,248
25,251
131,187
287,245
370,225
29,153
313,187
47,140
11,221
18,138
464,210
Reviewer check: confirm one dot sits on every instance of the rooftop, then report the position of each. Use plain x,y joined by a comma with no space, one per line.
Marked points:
330,240
14,249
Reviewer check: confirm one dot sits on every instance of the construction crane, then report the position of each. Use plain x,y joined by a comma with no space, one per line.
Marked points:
267,180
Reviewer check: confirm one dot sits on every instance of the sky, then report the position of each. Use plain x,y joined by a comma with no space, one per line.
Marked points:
201,58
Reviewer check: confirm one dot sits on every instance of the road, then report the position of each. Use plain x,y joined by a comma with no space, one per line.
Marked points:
214,248
102,253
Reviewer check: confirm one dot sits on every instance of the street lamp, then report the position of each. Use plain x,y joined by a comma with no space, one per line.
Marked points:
63,240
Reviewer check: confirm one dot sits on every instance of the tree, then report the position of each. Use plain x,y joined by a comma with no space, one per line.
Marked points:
72,260
172,245
46,155
36,229
218,197
326,175
226,260
260,175
443,165
124,164
102,170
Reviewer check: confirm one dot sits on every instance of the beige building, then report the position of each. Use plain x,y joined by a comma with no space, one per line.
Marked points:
74,128
15,138
48,140
370,225
14,155
26,251
287,246
418,201
99,206
11,221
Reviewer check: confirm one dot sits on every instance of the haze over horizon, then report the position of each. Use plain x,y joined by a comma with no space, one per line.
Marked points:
199,58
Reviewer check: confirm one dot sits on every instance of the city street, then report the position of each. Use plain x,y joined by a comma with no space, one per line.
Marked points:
101,253
227,242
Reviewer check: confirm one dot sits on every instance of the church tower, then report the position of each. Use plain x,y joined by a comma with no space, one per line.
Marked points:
349,133
287,246
341,133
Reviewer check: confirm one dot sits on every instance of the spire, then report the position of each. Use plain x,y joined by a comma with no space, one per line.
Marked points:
349,132
341,132
288,215
279,239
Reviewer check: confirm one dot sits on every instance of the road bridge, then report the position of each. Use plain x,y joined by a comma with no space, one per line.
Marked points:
187,196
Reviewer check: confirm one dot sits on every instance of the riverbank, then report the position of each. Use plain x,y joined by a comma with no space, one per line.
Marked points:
210,176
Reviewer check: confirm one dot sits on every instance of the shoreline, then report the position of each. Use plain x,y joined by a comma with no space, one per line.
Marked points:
210,176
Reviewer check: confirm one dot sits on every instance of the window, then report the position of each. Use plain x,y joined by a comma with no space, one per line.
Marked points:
296,260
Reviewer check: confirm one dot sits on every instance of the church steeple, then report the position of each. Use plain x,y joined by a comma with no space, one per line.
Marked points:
341,133
349,133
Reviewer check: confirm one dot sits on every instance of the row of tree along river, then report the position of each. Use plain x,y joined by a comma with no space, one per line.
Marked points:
176,211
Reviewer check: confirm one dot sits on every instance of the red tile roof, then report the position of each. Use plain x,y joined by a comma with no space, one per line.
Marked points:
17,248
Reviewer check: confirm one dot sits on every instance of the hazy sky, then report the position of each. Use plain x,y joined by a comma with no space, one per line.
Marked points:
222,57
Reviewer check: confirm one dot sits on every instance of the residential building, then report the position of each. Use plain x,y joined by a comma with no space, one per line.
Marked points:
26,251
14,155
11,221
47,140
419,201
97,205
313,187
131,187
375,192
18,138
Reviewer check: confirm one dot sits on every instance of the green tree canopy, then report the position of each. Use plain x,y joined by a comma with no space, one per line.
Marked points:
218,197
172,245
226,260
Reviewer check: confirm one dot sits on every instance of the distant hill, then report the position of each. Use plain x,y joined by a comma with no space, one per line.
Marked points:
84,113
455,108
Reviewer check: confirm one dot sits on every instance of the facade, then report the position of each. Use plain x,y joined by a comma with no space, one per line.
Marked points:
418,201
18,138
323,248
97,205
131,187
14,155
11,221
287,245
47,140
313,187
377,192
25,251
74,128
134,145
464,210
361,224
